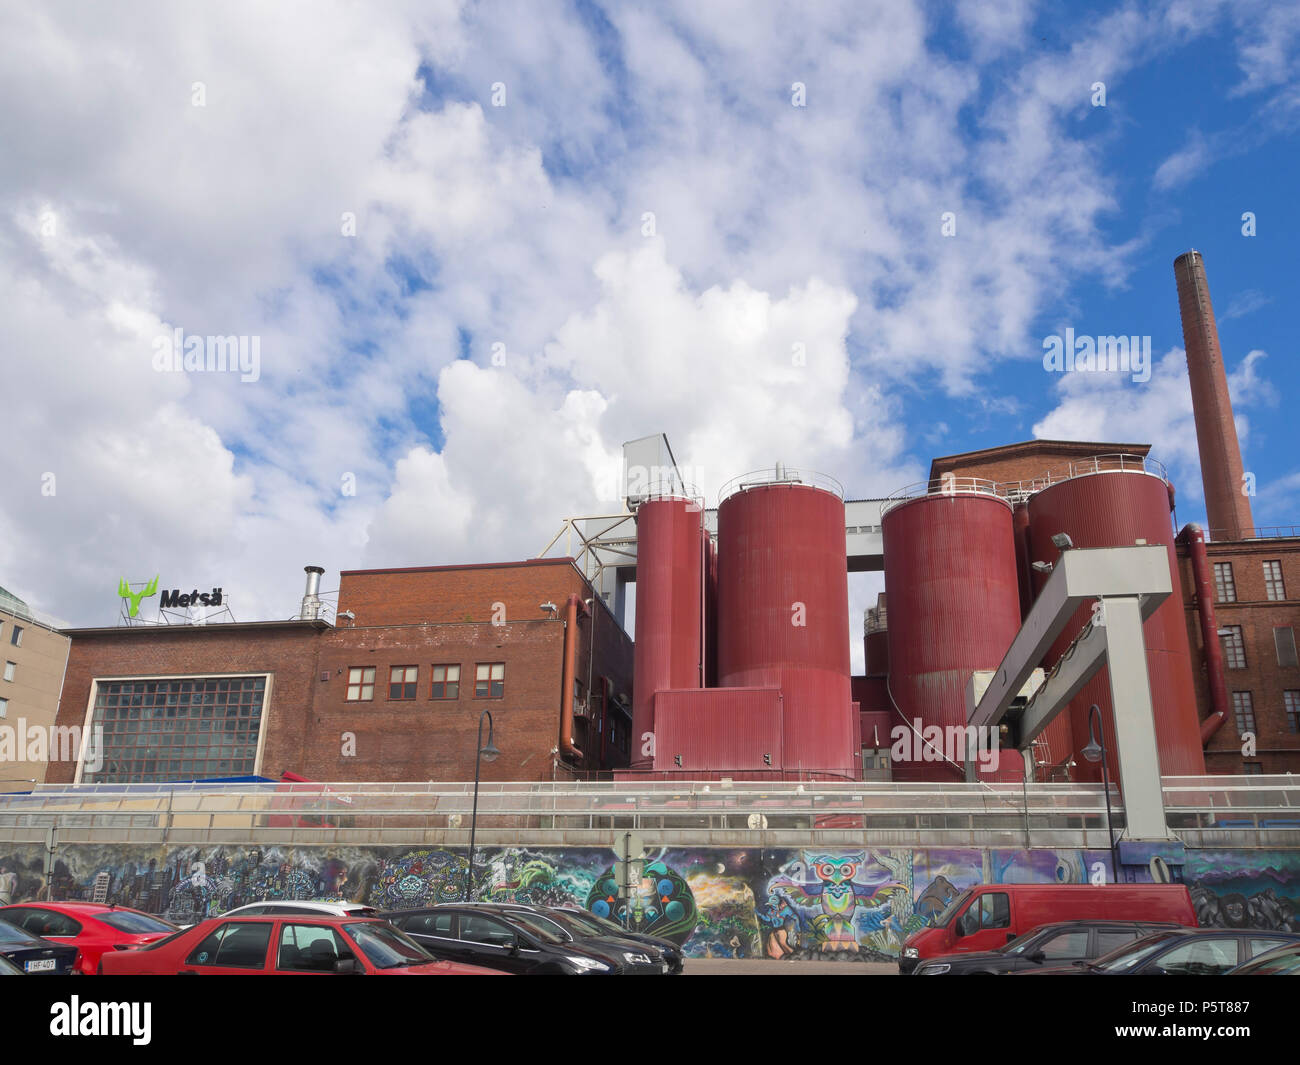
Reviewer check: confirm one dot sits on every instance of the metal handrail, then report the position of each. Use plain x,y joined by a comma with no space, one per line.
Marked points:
947,485
770,478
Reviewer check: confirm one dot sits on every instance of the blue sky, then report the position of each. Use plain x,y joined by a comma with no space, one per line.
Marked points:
482,246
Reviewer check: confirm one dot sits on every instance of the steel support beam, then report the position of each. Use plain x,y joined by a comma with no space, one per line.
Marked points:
1130,583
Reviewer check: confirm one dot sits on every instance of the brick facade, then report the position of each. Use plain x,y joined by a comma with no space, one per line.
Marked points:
1277,743
417,617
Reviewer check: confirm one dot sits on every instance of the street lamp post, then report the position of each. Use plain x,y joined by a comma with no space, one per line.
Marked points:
486,752
1096,750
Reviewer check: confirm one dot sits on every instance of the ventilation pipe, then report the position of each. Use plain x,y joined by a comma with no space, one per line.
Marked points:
571,609
311,597
1195,539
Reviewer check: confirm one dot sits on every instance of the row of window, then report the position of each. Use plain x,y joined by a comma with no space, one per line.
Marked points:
1243,709
1234,646
185,726
1225,587
444,683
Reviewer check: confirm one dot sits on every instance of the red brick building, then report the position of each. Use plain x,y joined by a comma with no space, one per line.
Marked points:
394,692
1256,612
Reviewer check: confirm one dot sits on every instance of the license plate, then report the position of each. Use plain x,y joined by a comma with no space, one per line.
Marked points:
45,966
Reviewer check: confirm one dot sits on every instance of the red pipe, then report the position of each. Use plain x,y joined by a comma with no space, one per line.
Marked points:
1195,539
570,671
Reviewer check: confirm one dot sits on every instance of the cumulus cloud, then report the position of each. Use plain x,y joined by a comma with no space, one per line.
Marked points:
464,309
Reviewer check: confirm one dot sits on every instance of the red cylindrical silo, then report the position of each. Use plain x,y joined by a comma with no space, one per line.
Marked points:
954,607
669,607
783,616
1116,508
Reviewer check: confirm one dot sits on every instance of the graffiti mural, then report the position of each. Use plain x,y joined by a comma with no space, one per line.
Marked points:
843,904
1245,889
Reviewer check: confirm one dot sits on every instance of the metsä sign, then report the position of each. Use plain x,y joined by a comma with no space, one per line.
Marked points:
174,598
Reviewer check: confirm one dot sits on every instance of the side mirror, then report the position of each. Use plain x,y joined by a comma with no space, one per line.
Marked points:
514,947
1038,957
348,967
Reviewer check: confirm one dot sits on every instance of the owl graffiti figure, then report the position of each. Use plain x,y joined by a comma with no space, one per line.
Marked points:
845,906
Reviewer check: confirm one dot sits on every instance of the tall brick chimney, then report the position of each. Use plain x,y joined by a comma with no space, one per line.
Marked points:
1226,505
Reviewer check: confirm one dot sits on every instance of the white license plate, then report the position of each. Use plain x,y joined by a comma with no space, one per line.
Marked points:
47,965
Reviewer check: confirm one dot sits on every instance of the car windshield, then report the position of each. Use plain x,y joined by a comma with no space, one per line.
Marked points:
544,929
12,935
385,947
137,924
570,923
1020,944
953,907
592,924
1285,962
1132,954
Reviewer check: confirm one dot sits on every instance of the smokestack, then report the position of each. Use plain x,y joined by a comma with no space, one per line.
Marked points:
1226,504
311,598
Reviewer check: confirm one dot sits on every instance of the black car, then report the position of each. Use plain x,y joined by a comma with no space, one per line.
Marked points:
469,933
636,958
32,954
672,953
1050,944
1180,952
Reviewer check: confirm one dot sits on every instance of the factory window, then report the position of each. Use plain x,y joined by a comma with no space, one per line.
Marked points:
9,670
1284,641
4,707
1291,700
1243,708
490,680
1225,588
1234,647
403,682
1273,585
16,637
446,682
177,728
361,684
1252,769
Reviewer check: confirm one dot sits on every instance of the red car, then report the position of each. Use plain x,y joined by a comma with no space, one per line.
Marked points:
93,927
286,944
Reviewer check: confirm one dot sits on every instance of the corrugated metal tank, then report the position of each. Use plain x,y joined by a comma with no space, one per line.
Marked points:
954,607
669,586
711,732
783,615
1116,508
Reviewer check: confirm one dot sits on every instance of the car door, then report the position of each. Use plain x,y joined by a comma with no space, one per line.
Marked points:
1198,956
986,923
1065,946
233,947
434,931
310,948
487,941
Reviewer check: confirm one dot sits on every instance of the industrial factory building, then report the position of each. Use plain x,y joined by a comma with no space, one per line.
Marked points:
740,664
395,690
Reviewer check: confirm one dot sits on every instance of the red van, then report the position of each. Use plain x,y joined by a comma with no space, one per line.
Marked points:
989,915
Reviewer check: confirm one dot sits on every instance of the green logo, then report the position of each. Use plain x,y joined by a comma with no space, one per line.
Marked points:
124,590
